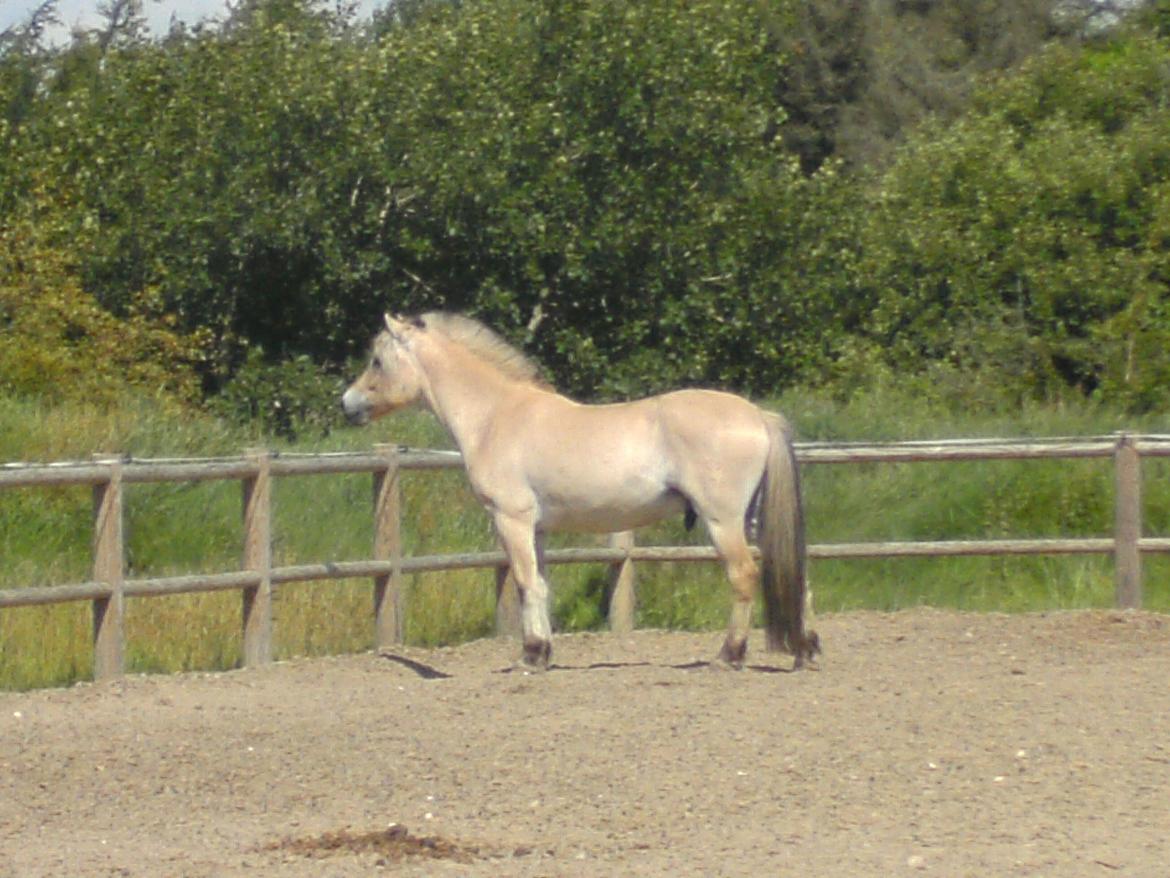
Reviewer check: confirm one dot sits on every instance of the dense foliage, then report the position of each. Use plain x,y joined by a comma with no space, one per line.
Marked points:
1030,243
728,192
59,343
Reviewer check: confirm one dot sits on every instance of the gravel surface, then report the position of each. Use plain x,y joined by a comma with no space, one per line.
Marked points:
927,743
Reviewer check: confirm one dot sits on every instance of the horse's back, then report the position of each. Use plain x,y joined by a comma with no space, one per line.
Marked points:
706,403
702,418
650,432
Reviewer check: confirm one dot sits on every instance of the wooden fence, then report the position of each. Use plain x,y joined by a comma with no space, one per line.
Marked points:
109,588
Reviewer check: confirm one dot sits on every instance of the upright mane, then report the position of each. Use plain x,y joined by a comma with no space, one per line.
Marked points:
485,344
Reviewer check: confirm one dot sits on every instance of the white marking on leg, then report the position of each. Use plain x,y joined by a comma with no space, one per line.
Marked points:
741,620
536,620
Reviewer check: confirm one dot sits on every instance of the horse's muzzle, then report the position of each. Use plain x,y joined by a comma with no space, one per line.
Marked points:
356,408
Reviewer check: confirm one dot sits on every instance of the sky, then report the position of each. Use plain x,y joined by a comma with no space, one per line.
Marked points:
83,13
158,13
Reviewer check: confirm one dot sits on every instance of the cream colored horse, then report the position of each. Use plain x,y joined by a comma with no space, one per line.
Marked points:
540,462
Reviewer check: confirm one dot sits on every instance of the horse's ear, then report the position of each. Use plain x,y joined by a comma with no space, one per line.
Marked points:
394,326
400,327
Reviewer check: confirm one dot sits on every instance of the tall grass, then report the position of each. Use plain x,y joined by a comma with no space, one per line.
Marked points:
183,528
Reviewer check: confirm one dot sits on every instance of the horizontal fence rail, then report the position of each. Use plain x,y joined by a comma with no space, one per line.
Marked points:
109,588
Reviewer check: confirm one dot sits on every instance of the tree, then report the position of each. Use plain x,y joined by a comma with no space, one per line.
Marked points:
123,22
862,74
1028,242
57,343
23,59
595,174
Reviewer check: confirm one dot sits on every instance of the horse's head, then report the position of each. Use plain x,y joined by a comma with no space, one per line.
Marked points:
390,381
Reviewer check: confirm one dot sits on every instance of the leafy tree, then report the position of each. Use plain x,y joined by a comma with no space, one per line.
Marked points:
1153,16
606,177
862,74
1029,241
212,167
594,171
643,195
57,343
827,60
923,59
23,64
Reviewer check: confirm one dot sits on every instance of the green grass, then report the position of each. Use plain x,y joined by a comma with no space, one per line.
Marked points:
178,528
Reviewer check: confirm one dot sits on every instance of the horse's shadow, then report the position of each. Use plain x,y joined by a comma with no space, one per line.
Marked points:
423,670
696,665
427,672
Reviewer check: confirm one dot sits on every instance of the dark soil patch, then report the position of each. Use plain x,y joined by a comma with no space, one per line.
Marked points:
393,844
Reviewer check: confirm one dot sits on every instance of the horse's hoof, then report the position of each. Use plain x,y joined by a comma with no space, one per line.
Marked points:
807,651
536,656
731,656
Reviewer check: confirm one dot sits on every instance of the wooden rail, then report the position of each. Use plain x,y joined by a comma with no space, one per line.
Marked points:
108,589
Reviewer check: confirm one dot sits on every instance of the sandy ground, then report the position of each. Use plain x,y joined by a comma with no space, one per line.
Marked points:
927,743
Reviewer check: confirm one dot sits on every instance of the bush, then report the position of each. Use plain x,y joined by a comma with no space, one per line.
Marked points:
290,399
599,180
57,343
1028,242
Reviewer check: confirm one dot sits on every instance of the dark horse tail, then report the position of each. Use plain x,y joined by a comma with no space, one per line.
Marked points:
782,547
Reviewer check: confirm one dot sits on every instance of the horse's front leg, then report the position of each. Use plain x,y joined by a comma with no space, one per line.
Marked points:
525,548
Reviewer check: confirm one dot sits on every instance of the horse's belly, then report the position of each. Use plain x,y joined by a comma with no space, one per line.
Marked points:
607,515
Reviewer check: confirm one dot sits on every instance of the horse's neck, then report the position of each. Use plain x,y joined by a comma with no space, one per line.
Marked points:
463,393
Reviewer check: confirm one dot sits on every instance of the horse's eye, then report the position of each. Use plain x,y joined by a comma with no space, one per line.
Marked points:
377,363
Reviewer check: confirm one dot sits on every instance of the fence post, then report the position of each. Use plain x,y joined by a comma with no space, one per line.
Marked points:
257,599
388,616
109,613
1127,523
621,586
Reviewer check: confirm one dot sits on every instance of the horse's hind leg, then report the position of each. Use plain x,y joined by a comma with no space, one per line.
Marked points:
524,549
743,574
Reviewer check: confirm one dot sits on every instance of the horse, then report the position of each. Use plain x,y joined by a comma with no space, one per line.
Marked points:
540,462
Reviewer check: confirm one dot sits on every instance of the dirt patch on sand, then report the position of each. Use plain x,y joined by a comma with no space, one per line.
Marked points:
927,743
393,844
